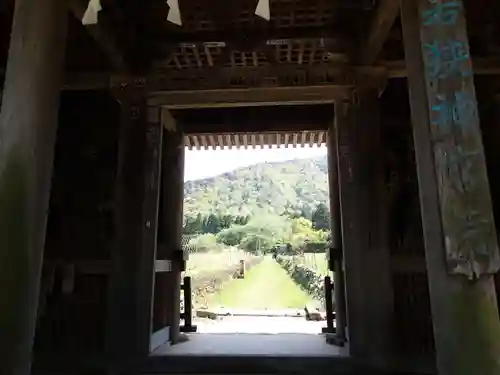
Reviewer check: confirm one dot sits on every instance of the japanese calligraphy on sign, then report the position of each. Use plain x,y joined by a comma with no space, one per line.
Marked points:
459,167
442,13
466,212
446,58
459,111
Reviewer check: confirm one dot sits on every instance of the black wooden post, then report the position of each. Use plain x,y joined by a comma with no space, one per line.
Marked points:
329,304
28,124
339,290
335,264
188,305
187,315
459,233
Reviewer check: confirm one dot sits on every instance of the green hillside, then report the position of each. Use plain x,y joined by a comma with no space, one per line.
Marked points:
293,187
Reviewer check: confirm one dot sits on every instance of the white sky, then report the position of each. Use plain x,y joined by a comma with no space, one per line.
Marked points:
208,163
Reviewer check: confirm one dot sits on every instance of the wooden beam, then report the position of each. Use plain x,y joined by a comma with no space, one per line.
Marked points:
103,34
480,65
249,97
248,120
459,233
253,36
221,76
381,23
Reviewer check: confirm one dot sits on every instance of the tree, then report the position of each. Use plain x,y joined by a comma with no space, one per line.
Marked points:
321,217
257,243
189,227
297,185
212,224
232,236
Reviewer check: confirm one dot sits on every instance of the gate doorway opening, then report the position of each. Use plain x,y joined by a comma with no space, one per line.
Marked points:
256,230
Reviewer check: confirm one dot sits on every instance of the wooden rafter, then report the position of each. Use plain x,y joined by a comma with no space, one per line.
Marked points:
252,140
381,23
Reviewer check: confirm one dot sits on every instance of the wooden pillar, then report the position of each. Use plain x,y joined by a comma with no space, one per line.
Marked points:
336,235
366,257
168,286
150,221
28,124
134,253
460,240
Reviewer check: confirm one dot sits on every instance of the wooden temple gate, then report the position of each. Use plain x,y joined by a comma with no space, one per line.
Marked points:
101,98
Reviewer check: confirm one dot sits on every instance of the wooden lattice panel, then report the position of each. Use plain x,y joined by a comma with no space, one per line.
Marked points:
190,55
242,58
274,51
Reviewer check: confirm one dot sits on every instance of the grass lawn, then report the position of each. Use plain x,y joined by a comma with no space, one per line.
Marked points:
265,286
201,264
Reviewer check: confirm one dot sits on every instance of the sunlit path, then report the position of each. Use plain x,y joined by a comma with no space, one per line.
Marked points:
266,286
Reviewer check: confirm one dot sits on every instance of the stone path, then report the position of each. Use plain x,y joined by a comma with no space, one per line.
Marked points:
259,324
285,344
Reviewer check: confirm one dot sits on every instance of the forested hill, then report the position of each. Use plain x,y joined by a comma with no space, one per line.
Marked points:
294,187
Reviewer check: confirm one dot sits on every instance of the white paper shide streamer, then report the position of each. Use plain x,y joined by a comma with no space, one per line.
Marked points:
174,13
90,15
263,10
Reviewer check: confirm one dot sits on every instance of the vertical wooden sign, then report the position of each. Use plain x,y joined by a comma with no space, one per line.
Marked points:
466,211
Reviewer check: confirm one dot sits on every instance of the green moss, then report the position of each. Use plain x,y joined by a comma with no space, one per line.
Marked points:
15,259
474,343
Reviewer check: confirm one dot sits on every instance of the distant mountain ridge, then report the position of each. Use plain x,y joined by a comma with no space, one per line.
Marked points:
292,186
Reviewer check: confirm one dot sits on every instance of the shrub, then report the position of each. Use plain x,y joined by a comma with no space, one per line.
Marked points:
308,279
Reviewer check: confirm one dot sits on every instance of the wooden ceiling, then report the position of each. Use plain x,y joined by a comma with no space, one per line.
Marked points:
223,55
135,37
